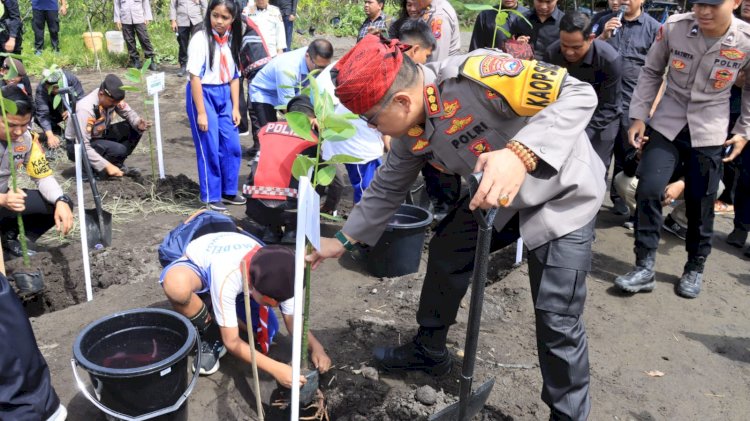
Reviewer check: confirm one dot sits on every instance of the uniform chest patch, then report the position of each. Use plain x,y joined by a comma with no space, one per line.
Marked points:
20,148
451,108
501,66
678,64
415,131
437,28
479,147
724,75
458,124
720,84
490,95
420,145
732,54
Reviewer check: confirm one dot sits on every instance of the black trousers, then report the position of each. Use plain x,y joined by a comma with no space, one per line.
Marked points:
184,33
26,392
120,141
244,109
275,218
52,19
261,115
621,149
443,189
38,217
702,169
742,192
557,274
129,32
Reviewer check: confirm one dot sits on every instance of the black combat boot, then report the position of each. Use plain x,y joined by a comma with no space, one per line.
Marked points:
692,277
737,238
642,277
426,352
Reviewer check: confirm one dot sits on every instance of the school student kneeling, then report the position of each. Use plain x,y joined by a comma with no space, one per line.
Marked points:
212,265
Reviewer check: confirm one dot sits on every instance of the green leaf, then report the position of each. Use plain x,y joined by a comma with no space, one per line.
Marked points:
301,166
149,102
516,12
286,86
336,128
9,106
501,19
325,175
477,7
291,74
324,107
333,136
12,71
350,116
332,218
145,66
300,125
130,88
56,101
504,31
343,159
133,75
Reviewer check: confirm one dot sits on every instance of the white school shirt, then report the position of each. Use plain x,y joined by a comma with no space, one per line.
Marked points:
198,65
218,255
271,27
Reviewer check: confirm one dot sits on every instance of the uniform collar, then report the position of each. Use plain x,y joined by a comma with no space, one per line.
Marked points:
729,39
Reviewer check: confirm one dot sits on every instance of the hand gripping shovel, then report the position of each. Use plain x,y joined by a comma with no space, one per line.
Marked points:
469,404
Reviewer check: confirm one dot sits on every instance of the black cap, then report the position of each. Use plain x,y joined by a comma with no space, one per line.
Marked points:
112,86
272,272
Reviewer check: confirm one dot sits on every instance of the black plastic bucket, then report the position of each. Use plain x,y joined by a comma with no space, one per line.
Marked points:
399,250
137,362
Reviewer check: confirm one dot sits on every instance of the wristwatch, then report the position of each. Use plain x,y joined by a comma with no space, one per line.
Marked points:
348,245
65,199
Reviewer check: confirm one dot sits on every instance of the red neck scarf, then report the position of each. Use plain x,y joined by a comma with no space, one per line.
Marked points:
222,40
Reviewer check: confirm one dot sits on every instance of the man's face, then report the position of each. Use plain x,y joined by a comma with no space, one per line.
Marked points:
544,8
614,5
510,4
745,12
17,125
372,8
419,54
262,4
573,46
713,20
319,63
634,6
394,116
106,101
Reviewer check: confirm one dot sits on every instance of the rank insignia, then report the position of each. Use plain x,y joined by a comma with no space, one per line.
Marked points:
490,94
458,124
450,107
723,74
431,96
421,144
501,66
479,147
20,149
660,34
437,28
732,54
415,131
720,84
678,64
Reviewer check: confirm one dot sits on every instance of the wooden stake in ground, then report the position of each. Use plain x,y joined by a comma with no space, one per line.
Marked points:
251,338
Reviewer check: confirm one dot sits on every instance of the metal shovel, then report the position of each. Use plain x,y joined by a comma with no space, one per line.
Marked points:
469,404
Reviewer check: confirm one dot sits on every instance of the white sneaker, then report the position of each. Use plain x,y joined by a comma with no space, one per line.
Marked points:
60,415
245,133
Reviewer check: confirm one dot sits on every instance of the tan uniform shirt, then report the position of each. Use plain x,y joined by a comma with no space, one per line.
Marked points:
187,12
442,19
131,12
467,116
28,153
93,127
699,81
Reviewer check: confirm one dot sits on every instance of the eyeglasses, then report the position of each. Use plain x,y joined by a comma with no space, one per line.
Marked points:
373,121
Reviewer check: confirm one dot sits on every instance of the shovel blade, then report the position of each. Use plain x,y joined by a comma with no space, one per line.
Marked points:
475,404
307,392
98,235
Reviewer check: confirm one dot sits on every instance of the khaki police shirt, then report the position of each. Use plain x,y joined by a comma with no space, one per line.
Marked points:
93,128
187,12
132,12
29,155
442,19
699,81
466,115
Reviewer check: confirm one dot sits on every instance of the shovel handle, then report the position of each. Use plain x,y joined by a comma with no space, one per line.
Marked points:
484,219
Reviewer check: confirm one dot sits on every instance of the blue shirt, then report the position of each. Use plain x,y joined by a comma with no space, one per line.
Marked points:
44,4
277,82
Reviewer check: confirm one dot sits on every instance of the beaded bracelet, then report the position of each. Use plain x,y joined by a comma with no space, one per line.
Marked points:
526,155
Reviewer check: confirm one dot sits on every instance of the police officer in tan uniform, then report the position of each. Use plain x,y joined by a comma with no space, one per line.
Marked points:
441,16
702,53
522,123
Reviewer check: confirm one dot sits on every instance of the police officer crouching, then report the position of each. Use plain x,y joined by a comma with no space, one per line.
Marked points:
703,51
40,209
107,144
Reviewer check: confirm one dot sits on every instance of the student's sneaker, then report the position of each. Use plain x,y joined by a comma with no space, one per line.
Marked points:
245,133
59,415
236,199
672,226
210,355
630,223
217,206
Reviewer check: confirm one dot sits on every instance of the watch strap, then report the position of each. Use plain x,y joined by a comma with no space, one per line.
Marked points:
344,241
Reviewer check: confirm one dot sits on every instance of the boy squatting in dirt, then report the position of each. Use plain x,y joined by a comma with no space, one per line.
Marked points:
212,264
520,122
41,209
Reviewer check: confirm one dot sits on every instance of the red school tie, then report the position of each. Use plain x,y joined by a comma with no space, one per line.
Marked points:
224,64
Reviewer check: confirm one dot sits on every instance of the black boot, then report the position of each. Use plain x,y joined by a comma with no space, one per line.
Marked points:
426,352
642,277
692,277
737,238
